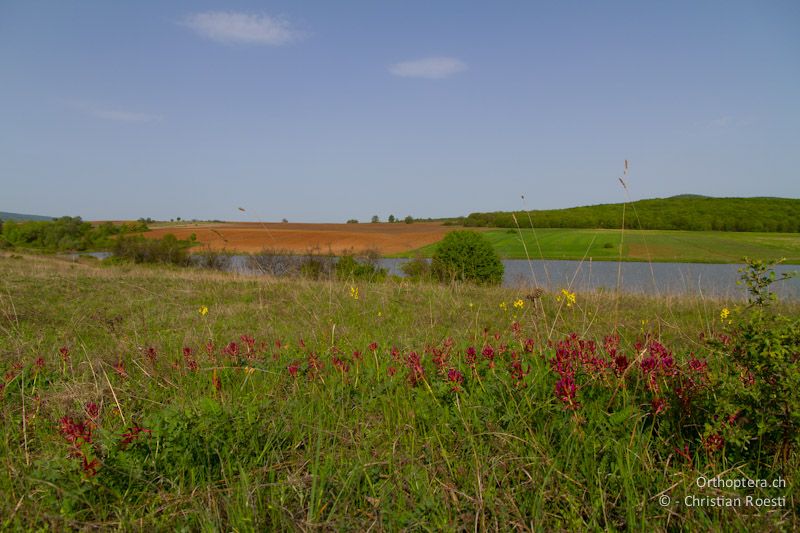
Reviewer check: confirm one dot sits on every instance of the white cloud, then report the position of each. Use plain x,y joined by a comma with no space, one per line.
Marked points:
118,115
432,68
231,27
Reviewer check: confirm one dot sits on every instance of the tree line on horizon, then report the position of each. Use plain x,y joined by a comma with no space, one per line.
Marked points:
687,213
63,234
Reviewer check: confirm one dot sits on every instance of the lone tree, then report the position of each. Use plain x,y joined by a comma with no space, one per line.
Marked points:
392,219
409,219
375,219
467,256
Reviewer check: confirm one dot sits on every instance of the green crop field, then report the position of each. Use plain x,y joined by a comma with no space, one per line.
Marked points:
166,398
639,245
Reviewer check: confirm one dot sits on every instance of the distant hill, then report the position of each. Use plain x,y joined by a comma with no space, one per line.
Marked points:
684,212
19,216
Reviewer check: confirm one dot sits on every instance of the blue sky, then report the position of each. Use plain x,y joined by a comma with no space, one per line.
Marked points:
324,111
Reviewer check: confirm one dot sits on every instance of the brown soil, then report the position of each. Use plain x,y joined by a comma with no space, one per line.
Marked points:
337,238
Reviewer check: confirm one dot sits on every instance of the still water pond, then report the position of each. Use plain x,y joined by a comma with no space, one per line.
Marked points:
656,278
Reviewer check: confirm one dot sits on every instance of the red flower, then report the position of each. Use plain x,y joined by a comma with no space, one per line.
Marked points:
119,368
340,364
488,353
232,349
250,342
714,443
566,391
64,351
92,410
74,431
620,364
415,371
90,467
293,368
471,357
456,378
528,346
697,365
659,405
132,435
517,372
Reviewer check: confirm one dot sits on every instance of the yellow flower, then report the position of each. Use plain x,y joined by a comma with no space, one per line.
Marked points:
354,292
568,297
380,314
203,310
504,306
725,313
518,303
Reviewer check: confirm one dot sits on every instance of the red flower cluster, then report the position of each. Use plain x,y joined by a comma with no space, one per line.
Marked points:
78,433
132,434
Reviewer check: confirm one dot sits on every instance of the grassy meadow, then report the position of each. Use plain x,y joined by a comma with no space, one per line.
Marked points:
154,397
639,245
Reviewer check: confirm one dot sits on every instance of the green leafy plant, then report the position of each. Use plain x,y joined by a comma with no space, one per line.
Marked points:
758,398
138,249
467,256
758,275
417,269
348,267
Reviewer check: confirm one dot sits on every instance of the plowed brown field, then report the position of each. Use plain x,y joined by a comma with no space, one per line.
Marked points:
337,238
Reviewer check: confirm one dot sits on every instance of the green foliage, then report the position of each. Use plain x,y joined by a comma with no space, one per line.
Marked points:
417,269
367,269
64,234
409,219
315,265
467,256
694,213
392,219
758,398
139,249
758,275
352,221
375,219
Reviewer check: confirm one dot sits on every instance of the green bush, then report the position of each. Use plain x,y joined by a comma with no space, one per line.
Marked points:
757,400
417,269
140,250
468,256
348,267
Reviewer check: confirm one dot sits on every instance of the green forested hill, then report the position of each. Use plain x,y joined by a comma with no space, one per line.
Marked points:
684,212
4,215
